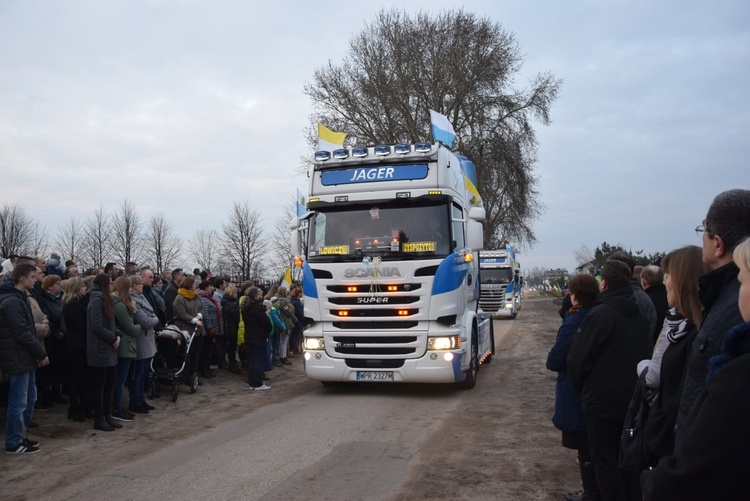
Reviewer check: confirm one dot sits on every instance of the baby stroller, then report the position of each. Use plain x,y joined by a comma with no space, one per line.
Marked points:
169,365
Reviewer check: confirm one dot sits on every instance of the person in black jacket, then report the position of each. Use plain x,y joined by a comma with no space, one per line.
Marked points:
713,461
602,362
257,332
727,223
170,294
230,314
74,305
21,353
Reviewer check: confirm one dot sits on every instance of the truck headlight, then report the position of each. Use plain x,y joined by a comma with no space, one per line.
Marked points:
314,343
443,343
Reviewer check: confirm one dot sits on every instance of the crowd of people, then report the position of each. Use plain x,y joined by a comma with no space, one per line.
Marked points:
87,340
654,368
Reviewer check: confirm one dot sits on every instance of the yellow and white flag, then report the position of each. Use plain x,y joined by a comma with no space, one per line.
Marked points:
286,281
329,140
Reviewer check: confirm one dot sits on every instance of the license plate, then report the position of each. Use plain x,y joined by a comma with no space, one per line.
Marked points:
375,376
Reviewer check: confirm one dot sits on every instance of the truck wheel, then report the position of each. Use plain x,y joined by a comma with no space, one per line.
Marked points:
473,370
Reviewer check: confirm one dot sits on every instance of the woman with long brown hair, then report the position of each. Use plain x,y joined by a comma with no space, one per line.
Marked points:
682,269
128,330
101,350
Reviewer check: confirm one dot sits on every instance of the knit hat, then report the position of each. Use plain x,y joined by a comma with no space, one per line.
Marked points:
267,303
274,299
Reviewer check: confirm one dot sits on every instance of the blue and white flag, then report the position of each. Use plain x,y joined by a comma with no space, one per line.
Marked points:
300,204
442,130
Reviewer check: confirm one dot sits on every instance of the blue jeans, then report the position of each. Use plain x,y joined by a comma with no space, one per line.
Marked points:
136,385
21,399
123,367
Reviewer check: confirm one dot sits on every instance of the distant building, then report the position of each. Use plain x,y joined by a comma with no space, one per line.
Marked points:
551,276
587,268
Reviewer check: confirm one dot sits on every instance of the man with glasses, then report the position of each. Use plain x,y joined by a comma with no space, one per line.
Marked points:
20,355
727,223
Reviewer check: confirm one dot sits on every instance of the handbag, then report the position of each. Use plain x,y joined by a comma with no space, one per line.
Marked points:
632,441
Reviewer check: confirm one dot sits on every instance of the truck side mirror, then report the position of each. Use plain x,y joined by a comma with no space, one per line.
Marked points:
475,235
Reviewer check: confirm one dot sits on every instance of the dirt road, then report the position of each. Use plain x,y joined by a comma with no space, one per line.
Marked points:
499,445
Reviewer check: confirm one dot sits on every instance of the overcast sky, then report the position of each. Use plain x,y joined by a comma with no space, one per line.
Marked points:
185,107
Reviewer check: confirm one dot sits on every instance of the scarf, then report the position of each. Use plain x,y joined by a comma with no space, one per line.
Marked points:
736,343
189,295
677,325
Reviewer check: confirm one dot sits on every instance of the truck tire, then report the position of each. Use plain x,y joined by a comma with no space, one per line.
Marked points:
473,370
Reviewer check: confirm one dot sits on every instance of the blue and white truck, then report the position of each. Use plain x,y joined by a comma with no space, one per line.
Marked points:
388,248
501,282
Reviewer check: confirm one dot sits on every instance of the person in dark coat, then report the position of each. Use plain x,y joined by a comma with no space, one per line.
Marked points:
230,314
170,294
652,282
568,416
74,305
295,342
21,353
602,362
257,332
727,223
101,350
713,461
683,267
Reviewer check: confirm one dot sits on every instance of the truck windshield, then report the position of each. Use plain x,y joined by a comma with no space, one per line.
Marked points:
395,232
495,275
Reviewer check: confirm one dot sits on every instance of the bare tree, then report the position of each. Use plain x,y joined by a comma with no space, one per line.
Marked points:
584,255
126,233
162,247
70,239
281,243
16,230
464,66
97,239
205,247
243,244
38,239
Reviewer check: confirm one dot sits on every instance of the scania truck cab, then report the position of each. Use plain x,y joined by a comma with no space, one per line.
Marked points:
388,248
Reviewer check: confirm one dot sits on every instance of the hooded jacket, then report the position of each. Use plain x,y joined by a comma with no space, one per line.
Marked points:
606,349
257,324
100,332
20,349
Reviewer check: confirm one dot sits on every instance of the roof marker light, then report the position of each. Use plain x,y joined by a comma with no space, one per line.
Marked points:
402,149
423,147
321,156
382,150
340,154
359,152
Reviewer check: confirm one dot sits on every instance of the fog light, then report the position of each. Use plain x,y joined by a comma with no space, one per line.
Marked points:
307,355
448,357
